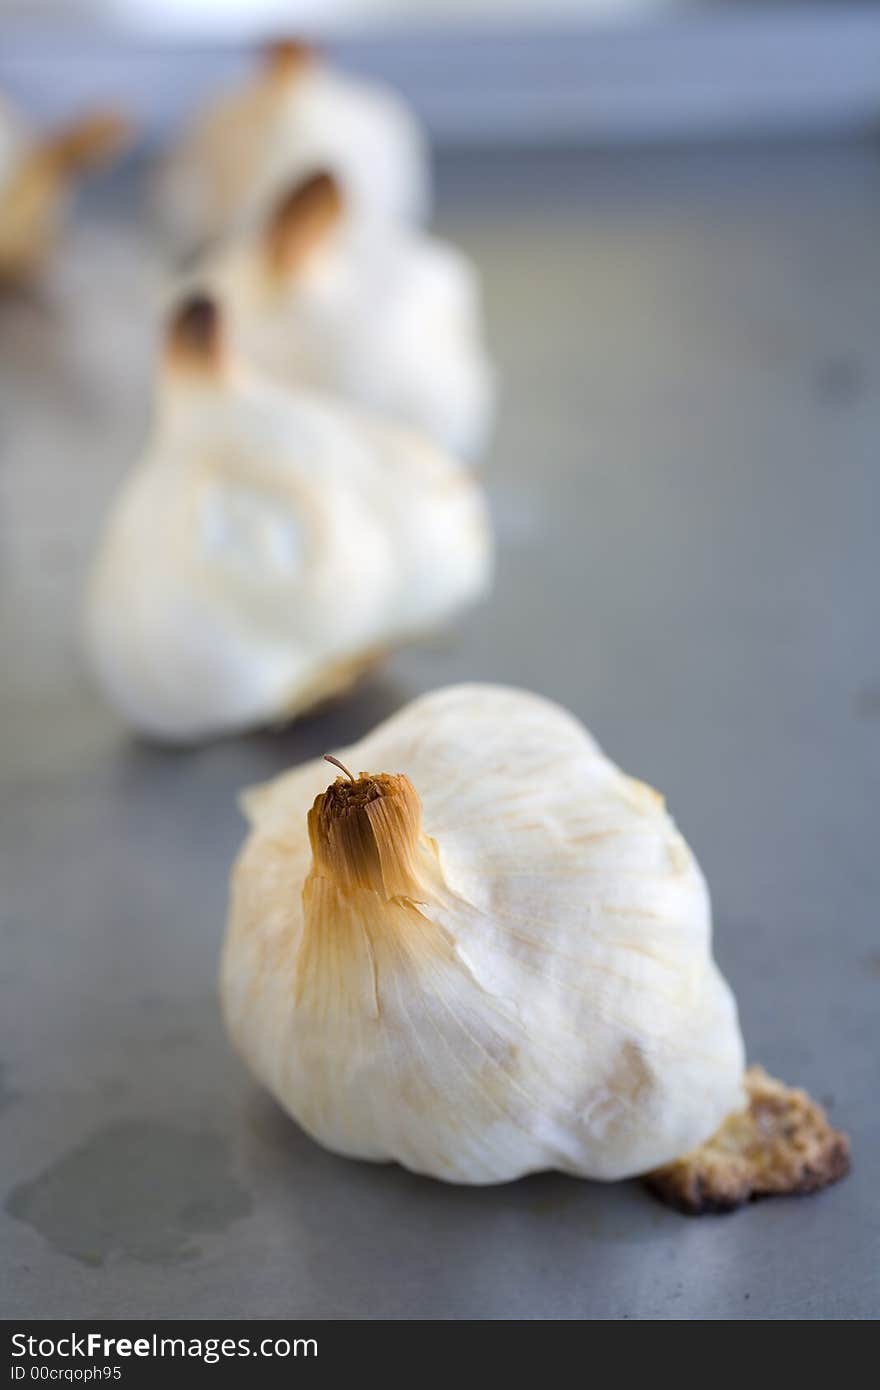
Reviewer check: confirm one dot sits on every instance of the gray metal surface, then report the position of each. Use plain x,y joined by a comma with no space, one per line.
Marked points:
686,489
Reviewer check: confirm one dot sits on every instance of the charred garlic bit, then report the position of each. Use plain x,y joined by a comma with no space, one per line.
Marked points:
37,177
387,317
268,546
780,1143
294,116
495,962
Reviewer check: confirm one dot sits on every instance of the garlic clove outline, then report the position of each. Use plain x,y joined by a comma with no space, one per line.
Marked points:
494,961
268,547
389,318
296,114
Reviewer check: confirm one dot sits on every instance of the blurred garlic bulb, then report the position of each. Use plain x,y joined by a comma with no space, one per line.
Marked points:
268,546
388,319
294,116
488,954
36,179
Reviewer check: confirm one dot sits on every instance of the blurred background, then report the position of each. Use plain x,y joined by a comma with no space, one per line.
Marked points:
530,71
674,210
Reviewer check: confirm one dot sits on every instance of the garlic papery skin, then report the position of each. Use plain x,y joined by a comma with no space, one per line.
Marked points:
489,954
295,115
36,179
267,546
388,318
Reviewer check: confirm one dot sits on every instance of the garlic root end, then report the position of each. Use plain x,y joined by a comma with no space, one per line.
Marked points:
781,1144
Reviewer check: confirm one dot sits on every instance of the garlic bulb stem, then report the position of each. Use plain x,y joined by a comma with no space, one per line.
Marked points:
366,835
287,58
302,219
296,114
196,340
86,143
329,758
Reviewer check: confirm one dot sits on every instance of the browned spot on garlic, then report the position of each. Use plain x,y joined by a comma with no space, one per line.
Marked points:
88,142
195,339
287,58
365,832
301,220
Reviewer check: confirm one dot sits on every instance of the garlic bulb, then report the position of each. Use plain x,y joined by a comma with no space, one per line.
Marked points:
267,546
36,178
390,319
294,116
488,954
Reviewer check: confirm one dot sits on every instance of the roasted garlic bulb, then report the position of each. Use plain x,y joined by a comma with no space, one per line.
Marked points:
268,546
36,179
483,951
296,115
390,318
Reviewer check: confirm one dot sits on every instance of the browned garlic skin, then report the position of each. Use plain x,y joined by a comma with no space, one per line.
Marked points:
365,834
494,962
36,178
387,318
295,114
